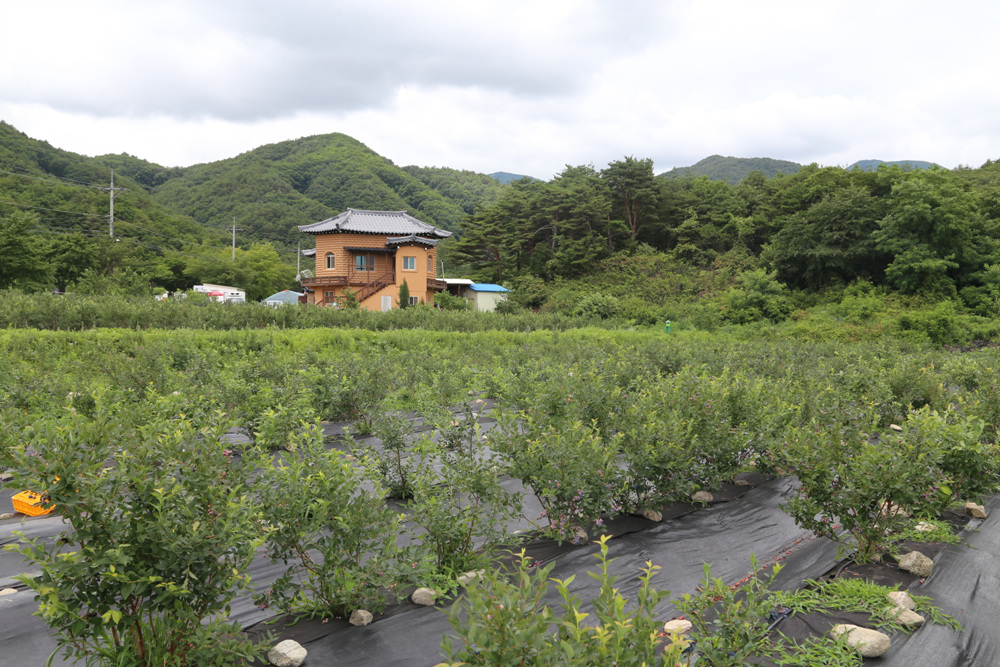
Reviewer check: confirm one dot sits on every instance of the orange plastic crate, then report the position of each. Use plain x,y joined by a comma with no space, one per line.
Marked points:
30,503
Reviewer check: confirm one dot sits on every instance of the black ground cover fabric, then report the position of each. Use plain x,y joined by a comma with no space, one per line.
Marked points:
746,521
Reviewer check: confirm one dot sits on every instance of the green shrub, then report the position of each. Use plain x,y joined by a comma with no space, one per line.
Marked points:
338,538
571,469
850,477
727,621
504,623
447,301
160,531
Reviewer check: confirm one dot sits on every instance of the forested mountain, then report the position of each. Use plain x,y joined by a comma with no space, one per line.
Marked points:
468,189
54,220
733,169
272,189
172,224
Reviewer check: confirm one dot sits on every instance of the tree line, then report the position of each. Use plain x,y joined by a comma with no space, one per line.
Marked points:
932,232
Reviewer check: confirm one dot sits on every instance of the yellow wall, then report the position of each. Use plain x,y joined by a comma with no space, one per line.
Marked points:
416,280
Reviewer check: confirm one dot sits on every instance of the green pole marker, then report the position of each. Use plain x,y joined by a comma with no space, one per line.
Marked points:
668,326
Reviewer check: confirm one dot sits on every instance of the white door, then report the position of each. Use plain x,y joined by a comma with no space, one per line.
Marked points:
386,303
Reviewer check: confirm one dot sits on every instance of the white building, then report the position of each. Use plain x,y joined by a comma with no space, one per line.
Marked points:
222,293
481,296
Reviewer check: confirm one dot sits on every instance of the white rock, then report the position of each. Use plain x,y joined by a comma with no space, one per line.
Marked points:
5,516
742,482
468,577
288,653
924,527
906,617
895,427
916,563
360,617
977,511
8,591
425,597
653,515
901,599
894,510
579,535
702,497
870,643
678,627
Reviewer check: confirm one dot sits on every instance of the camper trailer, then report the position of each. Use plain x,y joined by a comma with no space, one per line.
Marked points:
222,293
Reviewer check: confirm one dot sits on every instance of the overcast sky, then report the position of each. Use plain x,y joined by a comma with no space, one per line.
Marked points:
524,87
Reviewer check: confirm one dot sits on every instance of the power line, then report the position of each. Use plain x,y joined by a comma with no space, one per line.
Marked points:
54,210
51,178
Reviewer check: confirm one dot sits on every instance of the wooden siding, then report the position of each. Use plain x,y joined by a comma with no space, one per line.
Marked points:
422,283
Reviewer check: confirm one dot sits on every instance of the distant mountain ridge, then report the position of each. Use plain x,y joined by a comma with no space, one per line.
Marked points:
733,169
507,177
872,165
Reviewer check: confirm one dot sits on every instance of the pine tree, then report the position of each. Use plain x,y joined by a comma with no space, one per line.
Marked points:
404,295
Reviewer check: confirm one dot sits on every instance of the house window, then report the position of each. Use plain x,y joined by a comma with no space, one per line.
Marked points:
430,265
364,263
409,263
414,300
328,298
330,261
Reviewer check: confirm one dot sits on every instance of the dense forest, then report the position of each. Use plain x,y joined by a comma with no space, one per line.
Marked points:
932,233
611,237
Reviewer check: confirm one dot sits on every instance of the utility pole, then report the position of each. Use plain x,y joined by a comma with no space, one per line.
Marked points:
298,263
113,192
234,237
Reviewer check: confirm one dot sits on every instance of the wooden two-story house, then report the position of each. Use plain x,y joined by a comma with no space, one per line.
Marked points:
371,253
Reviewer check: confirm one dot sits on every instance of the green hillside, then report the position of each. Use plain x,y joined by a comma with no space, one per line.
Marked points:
733,169
66,194
272,189
468,189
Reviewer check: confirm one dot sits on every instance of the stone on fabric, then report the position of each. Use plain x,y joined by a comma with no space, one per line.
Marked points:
288,653
653,515
360,617
895,427
916,563
976,511
742,482
901,599
8,591
424,597
702,497
892,511
677,627
5,516
906,617
869,643
923,527
469,577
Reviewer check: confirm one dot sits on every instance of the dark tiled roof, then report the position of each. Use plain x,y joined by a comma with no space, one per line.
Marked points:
374,222
412,238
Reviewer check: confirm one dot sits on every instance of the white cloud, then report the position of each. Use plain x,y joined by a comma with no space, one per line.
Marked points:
514,86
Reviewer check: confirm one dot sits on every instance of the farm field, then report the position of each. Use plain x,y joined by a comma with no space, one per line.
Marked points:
243,478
